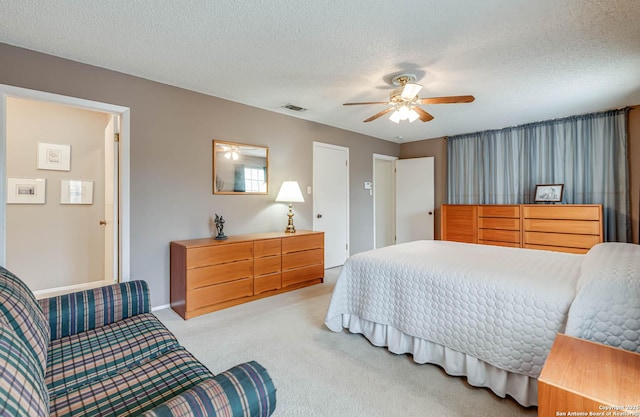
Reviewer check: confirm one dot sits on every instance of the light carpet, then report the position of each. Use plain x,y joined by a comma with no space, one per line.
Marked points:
319,373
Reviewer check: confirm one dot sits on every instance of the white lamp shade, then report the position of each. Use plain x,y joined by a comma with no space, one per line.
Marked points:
290,193
395,117
410,91
413,115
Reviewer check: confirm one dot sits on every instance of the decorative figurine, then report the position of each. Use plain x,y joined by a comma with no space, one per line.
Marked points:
219,221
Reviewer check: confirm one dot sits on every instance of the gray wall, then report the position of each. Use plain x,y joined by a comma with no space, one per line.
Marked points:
171,134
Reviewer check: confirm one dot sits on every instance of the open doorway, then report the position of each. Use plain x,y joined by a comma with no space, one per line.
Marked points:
72,237
384,200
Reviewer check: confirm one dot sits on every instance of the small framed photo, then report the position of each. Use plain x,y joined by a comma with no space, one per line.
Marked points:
54,157
76,192
26,191
549,193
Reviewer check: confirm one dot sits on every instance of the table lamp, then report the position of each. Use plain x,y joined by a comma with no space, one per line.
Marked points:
290,193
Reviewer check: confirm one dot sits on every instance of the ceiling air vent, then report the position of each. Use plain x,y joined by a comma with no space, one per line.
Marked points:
294,107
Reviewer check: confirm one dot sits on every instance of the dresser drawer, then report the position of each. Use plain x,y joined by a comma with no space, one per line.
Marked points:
579,251
498,223
499,211
214,294
296,276
268,247
267,283
561,239
209,275
302,242
495,243
499,235
264,266
568,212
299,259
582,227
217,254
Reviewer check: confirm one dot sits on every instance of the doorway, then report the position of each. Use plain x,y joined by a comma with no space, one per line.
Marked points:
331,200
403,191
99,257
384,197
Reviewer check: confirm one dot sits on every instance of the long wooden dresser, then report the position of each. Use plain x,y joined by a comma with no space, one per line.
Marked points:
572,228
209,275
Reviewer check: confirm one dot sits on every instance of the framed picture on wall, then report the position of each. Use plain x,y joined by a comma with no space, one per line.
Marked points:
26,191
549,193
76,192
54,157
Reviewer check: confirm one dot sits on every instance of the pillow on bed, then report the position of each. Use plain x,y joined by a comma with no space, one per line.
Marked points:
606,308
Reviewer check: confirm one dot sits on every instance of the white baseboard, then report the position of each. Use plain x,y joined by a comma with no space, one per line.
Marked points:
162,307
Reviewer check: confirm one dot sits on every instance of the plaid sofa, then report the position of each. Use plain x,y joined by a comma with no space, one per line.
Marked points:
102,353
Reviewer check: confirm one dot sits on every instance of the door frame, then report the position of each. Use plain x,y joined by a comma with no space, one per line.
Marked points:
7,91
385,158
316,172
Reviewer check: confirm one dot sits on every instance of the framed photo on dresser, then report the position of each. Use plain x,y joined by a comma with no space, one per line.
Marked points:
549,193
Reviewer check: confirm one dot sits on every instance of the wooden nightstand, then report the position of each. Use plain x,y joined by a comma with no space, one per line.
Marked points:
583,378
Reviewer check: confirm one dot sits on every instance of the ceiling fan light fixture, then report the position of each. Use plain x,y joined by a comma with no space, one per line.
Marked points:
404,112
410,91
232,154
413,116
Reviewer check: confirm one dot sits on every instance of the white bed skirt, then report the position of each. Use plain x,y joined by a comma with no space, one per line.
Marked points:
522,388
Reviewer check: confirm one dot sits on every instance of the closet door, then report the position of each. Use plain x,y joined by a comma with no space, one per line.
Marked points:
414,199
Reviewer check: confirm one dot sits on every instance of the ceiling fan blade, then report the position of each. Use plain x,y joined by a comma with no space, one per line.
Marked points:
423,115
446,100
365,102
375,116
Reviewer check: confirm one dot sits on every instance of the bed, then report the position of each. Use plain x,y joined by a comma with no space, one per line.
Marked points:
485,312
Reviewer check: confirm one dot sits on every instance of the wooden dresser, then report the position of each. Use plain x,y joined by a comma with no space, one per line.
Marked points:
583,378
572,228
499,225
209,275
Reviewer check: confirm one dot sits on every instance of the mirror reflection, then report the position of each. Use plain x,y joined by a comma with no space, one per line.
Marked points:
240,168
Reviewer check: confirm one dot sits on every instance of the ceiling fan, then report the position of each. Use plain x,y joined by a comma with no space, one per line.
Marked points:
405,103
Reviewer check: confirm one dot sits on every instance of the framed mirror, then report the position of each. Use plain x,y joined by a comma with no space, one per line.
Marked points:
239,168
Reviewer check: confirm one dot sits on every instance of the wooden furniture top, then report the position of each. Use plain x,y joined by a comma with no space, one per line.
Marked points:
194,243
599,372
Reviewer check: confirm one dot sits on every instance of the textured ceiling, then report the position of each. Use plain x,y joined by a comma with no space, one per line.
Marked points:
523,60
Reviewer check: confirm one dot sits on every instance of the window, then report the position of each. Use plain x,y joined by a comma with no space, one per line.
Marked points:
254,180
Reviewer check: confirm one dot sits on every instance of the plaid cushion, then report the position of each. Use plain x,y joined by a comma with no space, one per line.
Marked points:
85,310
86,357
22,388
245,390
135,390
20,310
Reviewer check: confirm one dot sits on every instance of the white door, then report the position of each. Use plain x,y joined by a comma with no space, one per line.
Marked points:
331,200
414,199
111,201
384,197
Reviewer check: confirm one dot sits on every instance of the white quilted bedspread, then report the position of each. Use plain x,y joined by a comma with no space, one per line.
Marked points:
607,306
501,305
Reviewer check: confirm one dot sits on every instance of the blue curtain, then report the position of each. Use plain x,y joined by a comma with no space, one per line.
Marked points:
238,179
588,154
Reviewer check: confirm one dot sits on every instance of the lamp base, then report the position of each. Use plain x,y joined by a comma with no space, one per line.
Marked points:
290,227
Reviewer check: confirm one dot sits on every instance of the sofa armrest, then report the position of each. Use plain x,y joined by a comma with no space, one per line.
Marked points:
245,390
85,310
